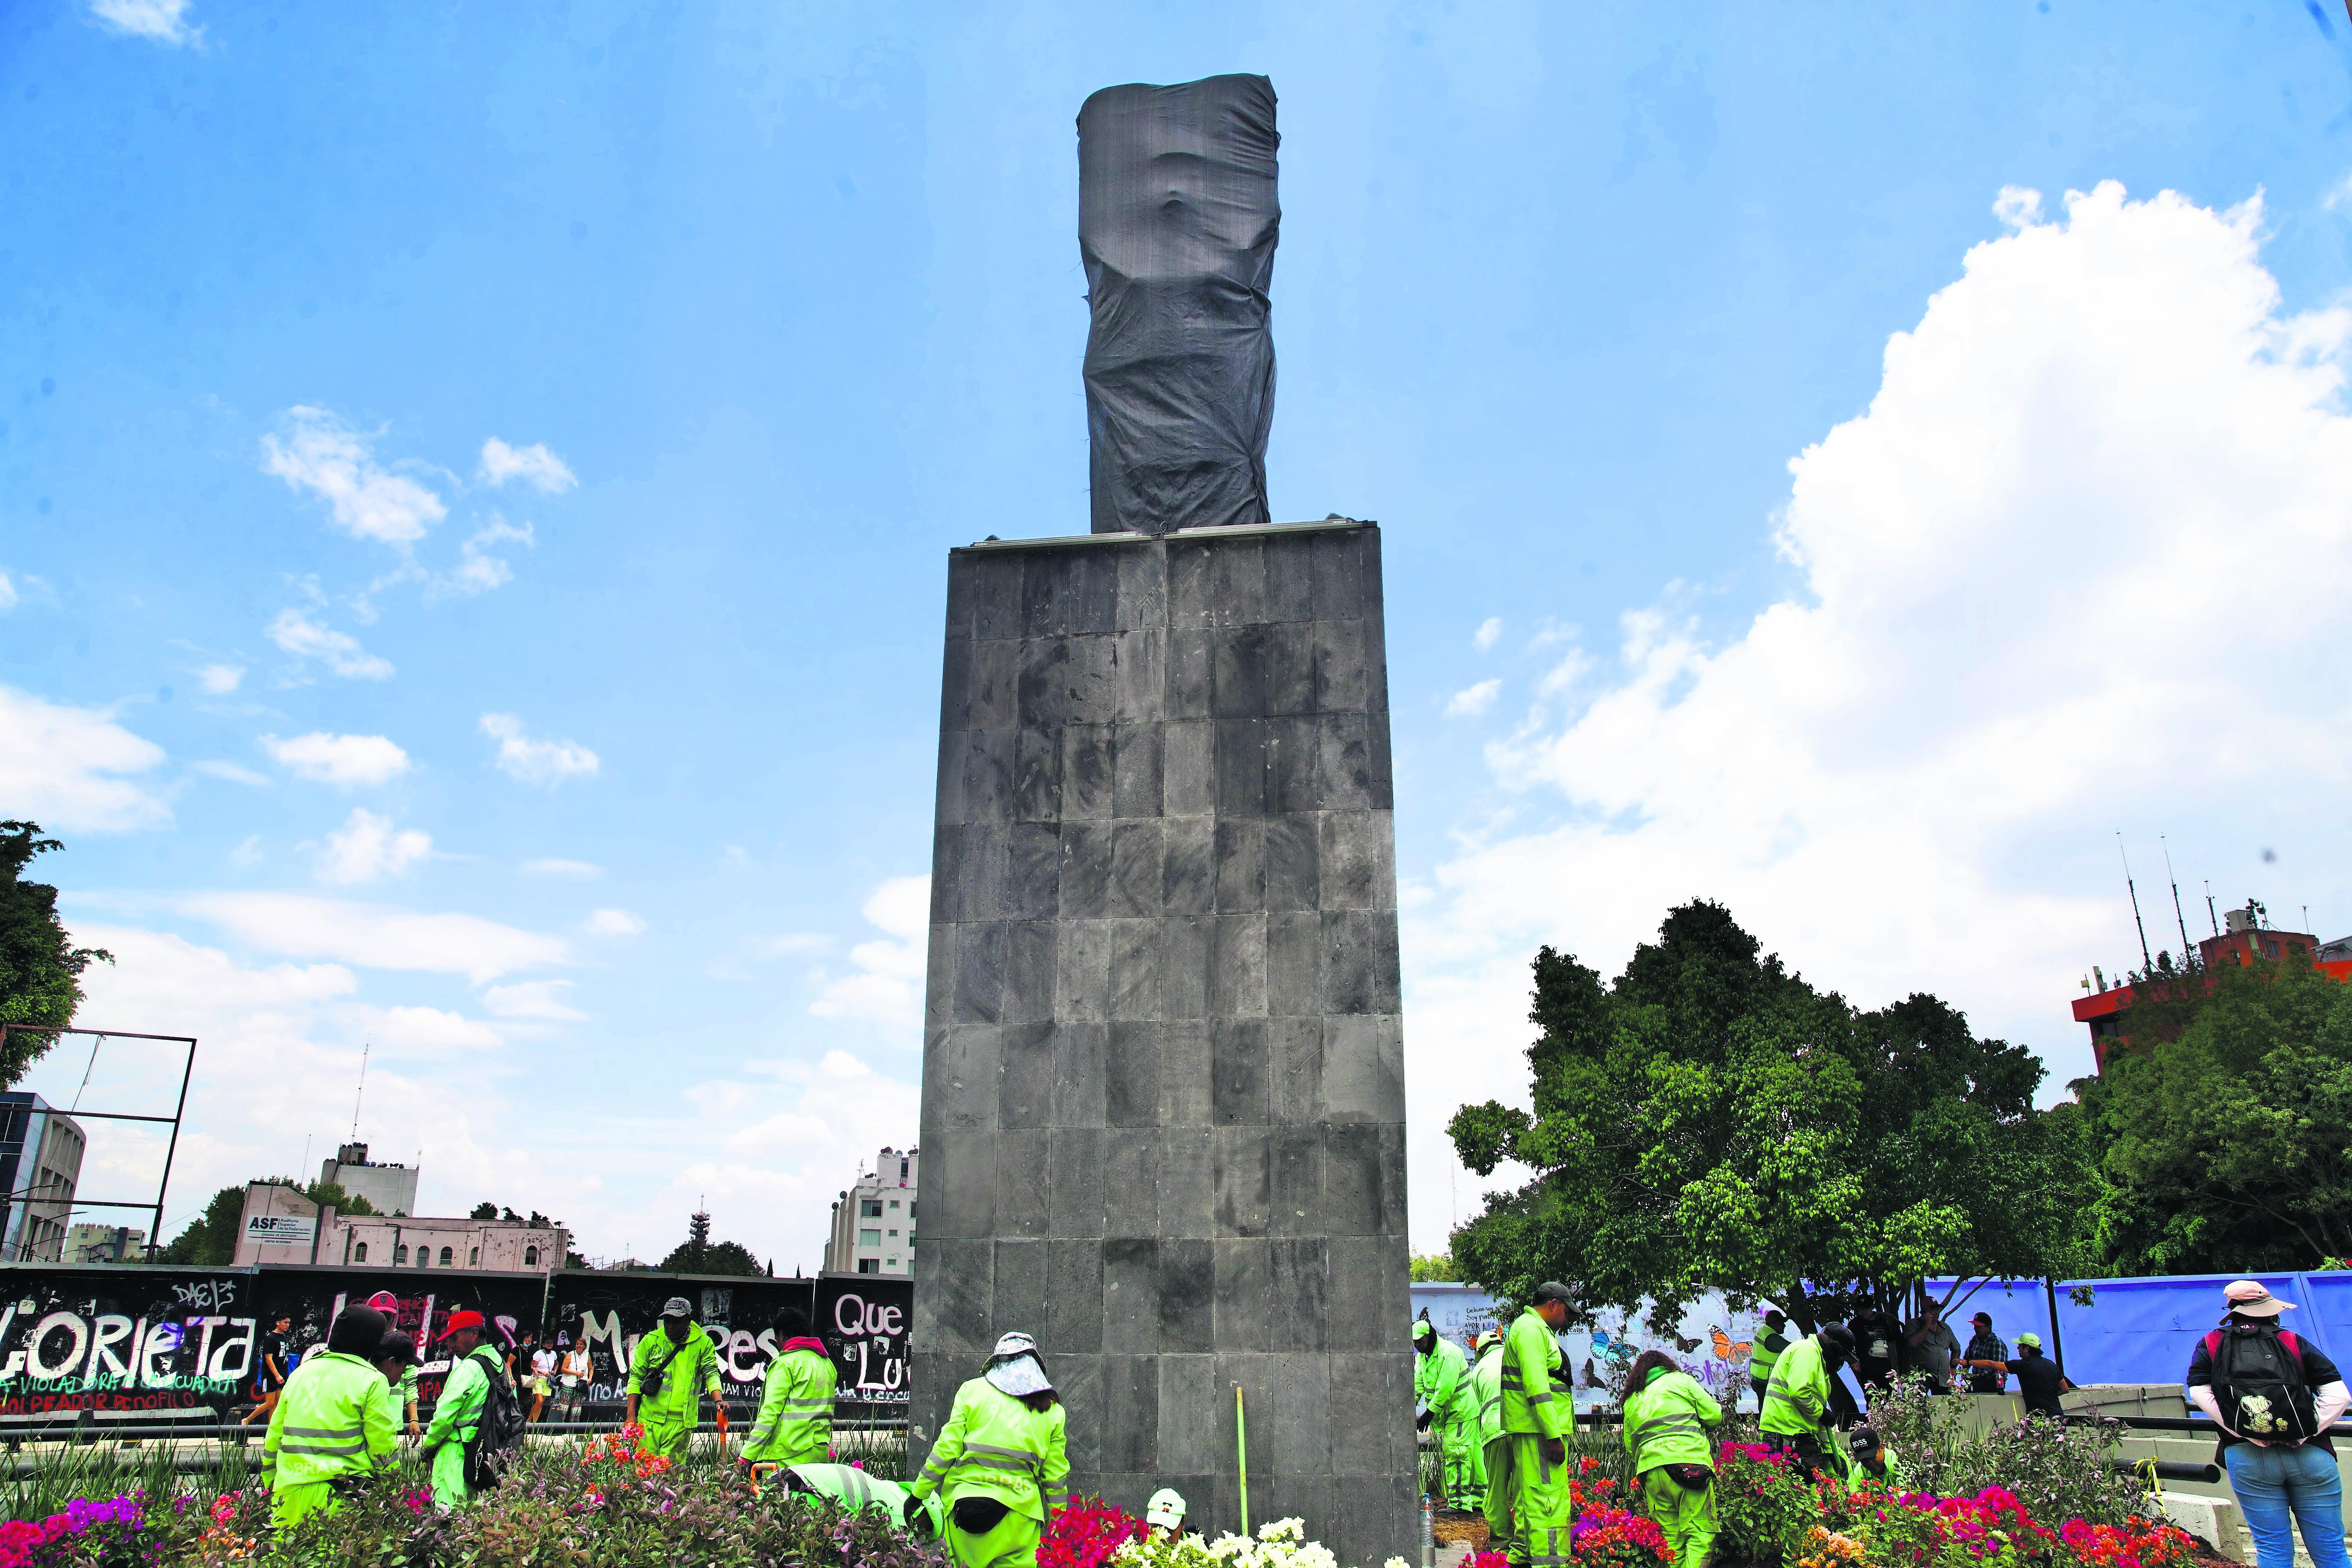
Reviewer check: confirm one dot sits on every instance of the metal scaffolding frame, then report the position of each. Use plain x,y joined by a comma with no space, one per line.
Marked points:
171,1150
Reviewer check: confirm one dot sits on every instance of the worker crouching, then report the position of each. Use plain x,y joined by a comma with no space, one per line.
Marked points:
333,1428
1000,1465
1667,1419
1797,1401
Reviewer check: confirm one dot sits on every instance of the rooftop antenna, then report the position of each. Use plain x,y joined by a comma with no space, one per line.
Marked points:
2146,962
306,1149
2177,915
2209,910
365,1048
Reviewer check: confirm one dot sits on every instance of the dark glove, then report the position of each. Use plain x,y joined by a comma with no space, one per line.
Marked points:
912,1512
1426,1417
1554,1451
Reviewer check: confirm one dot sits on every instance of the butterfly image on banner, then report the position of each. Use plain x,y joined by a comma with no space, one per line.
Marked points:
1726,1348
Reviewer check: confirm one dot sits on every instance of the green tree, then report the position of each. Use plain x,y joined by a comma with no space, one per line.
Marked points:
331,1194
697,1254
2224,1133
484,1211
211,1236
40,968
1709,1121
1434,1267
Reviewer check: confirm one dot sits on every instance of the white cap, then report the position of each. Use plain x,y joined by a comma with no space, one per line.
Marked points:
1166,1508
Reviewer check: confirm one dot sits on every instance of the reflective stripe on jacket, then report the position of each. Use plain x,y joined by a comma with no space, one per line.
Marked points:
1666,1423
1441,1380
1766,1350
795,1420
459,1409
689,1370
333,1420
994,1444
1537,1398
1799,1391
1486,1385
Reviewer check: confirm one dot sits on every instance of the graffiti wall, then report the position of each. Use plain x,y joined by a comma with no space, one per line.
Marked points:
861,1318
124,1343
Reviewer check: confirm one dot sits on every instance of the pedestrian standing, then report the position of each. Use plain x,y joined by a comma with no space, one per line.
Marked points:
794,1426
333,1428
1875,1338
579,1373
1441,1379
1486,1384
669,1372
2275,1396
1766,1350
1667,1417
2038,1378
1002,1464
542,1377
1933,1347
1797,1403
1985,1346
1529,1507
458,1411
403,1387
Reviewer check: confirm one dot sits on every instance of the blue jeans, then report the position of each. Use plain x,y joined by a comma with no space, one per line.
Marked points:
2276,1484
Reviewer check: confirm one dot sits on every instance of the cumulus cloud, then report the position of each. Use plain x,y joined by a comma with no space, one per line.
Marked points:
7,593
2081,563
315,451
1470,701
220,680
162,21
368,847
478,571
889,983
66,768
213,768
536,762
1490,632
346,760
533,465
376,936
613,922
534,1000
581,870
303,637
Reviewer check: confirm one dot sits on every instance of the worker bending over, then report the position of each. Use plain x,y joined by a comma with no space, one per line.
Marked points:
1441,1380
1667,1417
1528,1504
333,1427
1797,1400
1001,1466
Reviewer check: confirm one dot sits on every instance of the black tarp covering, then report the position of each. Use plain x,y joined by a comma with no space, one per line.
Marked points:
1177,222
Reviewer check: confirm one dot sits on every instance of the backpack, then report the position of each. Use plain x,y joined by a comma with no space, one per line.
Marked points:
497,1435
2259,1381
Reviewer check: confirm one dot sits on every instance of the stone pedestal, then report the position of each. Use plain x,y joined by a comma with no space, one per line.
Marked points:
1163,1098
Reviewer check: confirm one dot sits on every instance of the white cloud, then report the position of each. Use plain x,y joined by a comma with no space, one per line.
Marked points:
213,768
534,464
319,453
1490,632
62,767
613,923
479,572
7,594
220,680
165,21
368,848
536,762
2081,564
344,760
888,986
581,870
532,1000
303,637
793,944
1472,701
377,936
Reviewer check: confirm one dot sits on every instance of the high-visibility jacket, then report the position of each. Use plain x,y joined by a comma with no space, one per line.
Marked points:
1441,1380
1537,1397
689,1369
1486,1386
1666,1423
858,1492
795,1421
994,1444
334,1419
1763,1354
1799,1393
459,1409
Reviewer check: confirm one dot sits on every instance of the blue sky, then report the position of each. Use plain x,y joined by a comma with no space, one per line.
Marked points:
475,487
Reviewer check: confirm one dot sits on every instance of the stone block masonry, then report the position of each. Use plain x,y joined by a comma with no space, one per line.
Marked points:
1163,1092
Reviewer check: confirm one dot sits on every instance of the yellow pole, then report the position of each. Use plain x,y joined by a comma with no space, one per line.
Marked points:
1241,1446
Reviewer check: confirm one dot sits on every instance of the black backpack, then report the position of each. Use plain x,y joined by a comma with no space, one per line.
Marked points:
497,1435
2258,1380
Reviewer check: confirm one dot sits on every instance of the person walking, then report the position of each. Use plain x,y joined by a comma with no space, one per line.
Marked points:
669,1372
334,1426
794,1426
1667,1416
1441,1380
270,1372
1528,1504
1766,1350
1001,1466
1986,1357
1797,1401
458,1411
2275,1396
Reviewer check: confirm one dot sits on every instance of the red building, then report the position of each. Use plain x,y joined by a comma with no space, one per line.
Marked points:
2245,940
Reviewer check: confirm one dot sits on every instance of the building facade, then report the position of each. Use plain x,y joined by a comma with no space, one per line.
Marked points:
390,1188
2244,940
40,1165
104,1243
873,1221
281,1225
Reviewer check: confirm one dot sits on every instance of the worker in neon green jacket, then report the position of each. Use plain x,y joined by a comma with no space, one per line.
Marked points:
1441,1381
1667,1417
669,1372
1486,1388
854,1489
333,1425
1797,1399
1528,1504
1000,1465
459,1409
795,1421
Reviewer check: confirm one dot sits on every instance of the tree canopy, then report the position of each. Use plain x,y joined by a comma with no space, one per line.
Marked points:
1709,1121
40,968
697,1254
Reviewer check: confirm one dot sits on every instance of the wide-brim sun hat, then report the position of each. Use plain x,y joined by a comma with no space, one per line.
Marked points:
1013,1367
2252,1299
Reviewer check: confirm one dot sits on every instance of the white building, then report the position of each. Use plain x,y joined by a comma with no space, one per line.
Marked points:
390,1188
873,1221
40,1162
281,1225
104,1243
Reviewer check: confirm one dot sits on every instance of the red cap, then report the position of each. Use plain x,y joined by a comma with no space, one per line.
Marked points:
384,1301
461,1320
